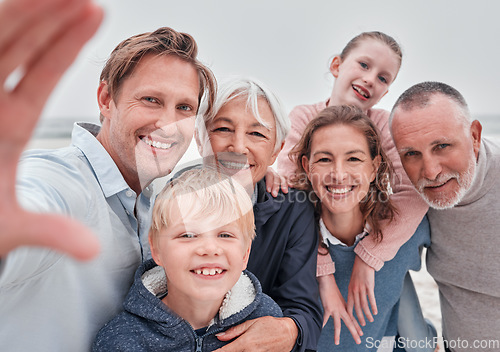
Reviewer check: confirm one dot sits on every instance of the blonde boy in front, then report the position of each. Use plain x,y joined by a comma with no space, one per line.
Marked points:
196,286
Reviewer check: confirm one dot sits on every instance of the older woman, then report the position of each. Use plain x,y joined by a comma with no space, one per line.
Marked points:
243,136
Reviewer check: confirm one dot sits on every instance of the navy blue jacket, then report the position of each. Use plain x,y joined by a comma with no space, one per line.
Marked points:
283,257
147,324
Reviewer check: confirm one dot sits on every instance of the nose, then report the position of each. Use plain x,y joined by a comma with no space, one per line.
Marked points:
338,172
369,78
208,246
431,167
238,144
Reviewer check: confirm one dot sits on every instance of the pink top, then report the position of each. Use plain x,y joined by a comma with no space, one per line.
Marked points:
411,207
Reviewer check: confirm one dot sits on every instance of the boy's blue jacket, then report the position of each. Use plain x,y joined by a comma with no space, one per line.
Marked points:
147,324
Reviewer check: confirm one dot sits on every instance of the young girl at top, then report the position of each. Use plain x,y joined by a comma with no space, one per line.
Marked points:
341,163
363,73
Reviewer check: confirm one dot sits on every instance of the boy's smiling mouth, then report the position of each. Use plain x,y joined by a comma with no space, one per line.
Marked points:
208,271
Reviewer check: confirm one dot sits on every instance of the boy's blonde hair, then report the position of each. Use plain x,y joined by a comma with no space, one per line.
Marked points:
204,192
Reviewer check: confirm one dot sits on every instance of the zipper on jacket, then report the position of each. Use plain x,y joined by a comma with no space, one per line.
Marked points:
199,343
199,339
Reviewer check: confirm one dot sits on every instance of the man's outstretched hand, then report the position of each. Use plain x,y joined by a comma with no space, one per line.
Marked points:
39,40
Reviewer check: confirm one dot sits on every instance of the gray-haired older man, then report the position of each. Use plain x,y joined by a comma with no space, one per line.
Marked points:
456,172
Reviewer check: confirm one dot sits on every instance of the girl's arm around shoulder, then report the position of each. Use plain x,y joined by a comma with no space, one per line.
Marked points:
299,118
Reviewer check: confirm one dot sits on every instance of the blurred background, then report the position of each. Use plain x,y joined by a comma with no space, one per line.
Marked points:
288,45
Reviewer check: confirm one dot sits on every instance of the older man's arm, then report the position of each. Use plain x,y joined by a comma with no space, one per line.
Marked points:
38,40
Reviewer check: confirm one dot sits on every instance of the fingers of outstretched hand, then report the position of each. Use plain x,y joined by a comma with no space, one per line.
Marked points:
21,228
34,34
45,72
43,63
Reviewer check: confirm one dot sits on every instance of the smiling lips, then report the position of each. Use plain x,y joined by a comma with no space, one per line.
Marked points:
436,187
208,271
339,190
156,144
362,92
234,165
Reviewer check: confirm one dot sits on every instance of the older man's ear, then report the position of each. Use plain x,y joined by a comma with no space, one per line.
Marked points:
475,130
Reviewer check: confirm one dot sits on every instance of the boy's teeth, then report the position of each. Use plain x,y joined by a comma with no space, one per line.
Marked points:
208,271
156,144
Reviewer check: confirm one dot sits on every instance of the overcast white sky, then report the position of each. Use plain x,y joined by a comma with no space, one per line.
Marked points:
288,45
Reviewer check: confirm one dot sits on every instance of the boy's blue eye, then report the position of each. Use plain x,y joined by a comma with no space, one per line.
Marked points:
225,235
187,235
382,79
364,65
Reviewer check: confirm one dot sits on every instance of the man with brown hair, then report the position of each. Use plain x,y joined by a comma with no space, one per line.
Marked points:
148,96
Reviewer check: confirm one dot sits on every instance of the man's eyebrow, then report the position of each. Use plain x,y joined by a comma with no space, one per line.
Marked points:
405,149
440,141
